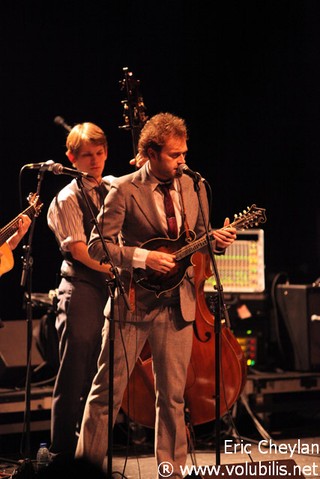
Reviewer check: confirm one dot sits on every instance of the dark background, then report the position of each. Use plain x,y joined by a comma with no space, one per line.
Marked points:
244,75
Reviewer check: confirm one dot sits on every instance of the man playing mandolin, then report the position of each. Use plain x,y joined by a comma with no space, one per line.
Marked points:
135,211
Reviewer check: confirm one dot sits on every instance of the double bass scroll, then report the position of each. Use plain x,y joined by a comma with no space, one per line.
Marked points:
134,110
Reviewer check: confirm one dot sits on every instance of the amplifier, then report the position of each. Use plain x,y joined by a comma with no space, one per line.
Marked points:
250,323
299,306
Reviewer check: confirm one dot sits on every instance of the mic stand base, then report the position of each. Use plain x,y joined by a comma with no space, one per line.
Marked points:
25,470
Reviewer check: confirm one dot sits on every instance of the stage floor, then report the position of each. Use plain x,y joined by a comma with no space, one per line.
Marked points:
293,457
281,410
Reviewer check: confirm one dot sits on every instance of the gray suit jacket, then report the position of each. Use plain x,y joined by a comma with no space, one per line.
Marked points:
130,210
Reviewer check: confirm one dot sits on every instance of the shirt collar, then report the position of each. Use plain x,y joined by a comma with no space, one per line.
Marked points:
90,184
155,182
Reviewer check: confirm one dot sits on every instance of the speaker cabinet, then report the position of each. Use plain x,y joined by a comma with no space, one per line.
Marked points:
299,306
13,353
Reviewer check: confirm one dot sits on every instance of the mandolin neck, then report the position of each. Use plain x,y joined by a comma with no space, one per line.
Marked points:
247,219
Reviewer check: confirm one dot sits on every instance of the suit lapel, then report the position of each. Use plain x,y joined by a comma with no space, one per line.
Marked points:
144,198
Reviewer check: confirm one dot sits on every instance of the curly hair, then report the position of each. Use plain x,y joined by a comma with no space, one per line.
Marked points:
157,129
85,133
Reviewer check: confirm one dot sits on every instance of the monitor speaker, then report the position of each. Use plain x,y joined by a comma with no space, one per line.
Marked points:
13,353
299,307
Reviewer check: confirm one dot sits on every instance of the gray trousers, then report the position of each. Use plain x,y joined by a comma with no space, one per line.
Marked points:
79,324
170,340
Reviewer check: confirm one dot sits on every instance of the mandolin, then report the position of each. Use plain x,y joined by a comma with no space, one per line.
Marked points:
33,209
183,248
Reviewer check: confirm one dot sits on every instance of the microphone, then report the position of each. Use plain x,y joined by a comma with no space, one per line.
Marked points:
47,166
59,169
187,171
60,121
56,168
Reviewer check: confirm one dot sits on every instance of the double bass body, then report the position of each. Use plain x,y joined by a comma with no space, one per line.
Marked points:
200,391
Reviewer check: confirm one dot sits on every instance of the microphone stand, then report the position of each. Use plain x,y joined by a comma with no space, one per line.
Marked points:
219,308
112,285
26,282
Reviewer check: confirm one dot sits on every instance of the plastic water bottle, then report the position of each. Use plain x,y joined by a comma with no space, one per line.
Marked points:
43,456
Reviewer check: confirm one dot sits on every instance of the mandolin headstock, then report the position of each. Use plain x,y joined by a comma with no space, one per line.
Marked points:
249,218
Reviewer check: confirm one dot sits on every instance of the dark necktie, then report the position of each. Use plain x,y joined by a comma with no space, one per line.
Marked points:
101,192
169,210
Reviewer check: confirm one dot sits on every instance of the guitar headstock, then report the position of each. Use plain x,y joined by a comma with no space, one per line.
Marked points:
249,218
35,204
